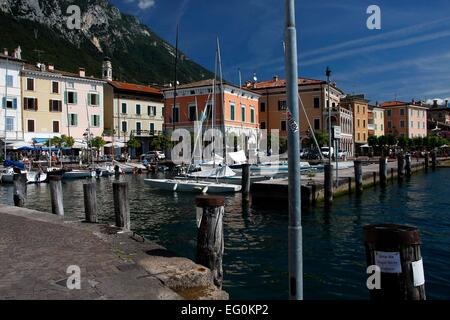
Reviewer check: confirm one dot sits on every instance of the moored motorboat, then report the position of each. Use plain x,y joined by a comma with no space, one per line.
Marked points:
36,177
178,185
79,174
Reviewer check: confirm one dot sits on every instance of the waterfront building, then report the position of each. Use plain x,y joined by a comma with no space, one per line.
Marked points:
376,121
10,97
405,119
59,103
439,116
360,108
134,110
235,113
314,96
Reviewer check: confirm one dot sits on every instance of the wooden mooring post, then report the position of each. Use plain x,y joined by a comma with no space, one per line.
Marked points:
328,184
121,205
433,160
358,177
56,195
400,166
383,171
392,175
210,241
246,182
349,185
90,202
374,178
408,165
20,188
395,250
427,161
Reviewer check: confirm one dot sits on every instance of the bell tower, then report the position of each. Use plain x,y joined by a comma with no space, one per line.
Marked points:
107,69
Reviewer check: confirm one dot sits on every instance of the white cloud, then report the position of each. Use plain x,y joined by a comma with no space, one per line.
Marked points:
146,4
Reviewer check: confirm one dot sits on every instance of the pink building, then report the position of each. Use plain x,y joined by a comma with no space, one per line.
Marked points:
405,119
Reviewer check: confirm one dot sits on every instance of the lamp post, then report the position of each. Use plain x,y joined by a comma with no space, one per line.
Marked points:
295,219
328,74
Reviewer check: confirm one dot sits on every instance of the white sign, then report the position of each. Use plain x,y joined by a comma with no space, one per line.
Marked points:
389,262
418,274
337,132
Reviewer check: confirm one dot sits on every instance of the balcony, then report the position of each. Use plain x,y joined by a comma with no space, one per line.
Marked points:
146,133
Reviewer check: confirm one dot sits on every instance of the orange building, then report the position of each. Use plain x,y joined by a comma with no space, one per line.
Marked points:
405,119
360,107
314,95
235,112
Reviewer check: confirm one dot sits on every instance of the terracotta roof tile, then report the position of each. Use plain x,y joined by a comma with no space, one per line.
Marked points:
134,87
282,83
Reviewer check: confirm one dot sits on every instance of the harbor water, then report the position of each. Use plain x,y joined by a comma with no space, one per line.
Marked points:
255,260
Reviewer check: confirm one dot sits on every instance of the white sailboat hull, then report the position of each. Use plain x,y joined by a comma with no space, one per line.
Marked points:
36,177
192,186
78,174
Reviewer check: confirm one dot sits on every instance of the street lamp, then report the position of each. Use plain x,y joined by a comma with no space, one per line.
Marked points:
328,74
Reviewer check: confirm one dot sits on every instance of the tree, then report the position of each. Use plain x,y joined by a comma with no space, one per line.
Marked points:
98,143
402,142
391,140
373,141
68,141
322,138
161,143
133,144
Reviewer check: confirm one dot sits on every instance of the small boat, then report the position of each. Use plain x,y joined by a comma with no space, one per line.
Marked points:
177,185
124,168
36,177
7,175
79,174
105,171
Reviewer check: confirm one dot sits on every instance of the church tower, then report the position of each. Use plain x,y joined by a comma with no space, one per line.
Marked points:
107,69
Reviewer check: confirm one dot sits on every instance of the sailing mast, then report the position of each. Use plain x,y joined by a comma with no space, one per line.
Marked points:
175,83
222,98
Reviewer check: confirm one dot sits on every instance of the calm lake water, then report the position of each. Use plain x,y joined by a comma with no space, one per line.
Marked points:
255,261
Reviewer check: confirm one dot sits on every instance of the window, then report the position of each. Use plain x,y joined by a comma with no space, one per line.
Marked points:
317,102
389,125
10,104
9,124
283,125
316,124
389,113
30,104
412,124
30,84
243,113
402,124
124,108
176,114
364,123
252,115
138,127
30,125
382,127
263,125
55,87
263,107
55,126
192,113
359,123
232,116
364,134
138,109
418,125
71,97
423,125
418,114
73,120
151,110
95,120
359,136
9,81
152,128
124,126
364,112
93,87
70,85
209,112
282,105
358,108
93,99
55,106
402,112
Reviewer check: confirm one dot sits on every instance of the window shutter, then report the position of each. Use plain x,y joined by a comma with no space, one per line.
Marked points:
36,104
89,99
15,103
4,103
93,120
65,97
25,103
99,100
75,97
50,105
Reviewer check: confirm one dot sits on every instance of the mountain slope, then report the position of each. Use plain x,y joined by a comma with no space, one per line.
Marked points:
137,53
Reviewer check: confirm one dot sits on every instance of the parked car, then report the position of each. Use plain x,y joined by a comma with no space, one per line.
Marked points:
326,151
342,154
154,155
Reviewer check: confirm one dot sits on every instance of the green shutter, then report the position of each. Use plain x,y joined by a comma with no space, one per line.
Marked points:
76,119
75,98
65,97
99,100
92,120
89,99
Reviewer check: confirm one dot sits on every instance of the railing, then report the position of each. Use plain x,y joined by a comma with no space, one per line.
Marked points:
12,135
146,133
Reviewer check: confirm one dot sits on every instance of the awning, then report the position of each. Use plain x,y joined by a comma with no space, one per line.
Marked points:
40,140
115,145
18,145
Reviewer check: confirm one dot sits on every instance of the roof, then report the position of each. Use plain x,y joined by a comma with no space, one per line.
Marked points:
2,56
357,97
32,67
134,87
207,83
281,83
390,104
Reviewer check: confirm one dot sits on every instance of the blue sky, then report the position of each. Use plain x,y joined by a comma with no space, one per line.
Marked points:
409,58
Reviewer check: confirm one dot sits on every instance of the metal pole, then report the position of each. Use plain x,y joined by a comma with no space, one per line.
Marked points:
295,225
336,152
6,100
328,73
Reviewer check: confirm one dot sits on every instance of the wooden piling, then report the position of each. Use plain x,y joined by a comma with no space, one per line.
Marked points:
349,185
90,202
210,241
20,188
427,160
395,249
374,178
433,160
408,165
400,166
328,183
246,182
358,176
121,205
383,171
392,175
56,195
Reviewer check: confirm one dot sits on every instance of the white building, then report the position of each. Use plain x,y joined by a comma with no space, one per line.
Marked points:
11,130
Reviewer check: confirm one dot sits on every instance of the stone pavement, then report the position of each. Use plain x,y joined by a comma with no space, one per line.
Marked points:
37,248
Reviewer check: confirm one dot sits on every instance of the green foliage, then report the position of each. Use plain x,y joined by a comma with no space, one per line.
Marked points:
161,143
391,140
402,142
98,142
133,143
61,142
322,138
373,141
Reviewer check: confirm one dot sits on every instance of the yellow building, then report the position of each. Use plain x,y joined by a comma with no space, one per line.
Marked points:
360,108
42,102
376,121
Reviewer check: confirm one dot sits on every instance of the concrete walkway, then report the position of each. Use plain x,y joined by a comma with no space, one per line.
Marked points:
37,248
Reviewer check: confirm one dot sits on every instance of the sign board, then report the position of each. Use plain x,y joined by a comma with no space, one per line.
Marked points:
389,262
337,132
